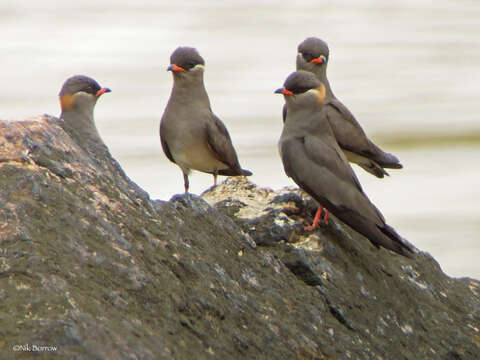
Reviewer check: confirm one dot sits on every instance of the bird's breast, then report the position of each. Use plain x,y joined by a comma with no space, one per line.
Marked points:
187,142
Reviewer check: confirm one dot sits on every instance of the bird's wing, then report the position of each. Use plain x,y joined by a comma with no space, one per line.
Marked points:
313,163
284,112
318,166
165,147
219,141
351,137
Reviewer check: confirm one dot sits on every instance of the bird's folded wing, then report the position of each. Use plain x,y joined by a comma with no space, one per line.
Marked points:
350,136
321,169
219,141
165,147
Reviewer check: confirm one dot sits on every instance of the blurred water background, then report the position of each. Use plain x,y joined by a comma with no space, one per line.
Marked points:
408,70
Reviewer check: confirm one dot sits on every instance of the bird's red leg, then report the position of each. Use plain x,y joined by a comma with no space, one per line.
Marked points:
315,220
215,178
325,218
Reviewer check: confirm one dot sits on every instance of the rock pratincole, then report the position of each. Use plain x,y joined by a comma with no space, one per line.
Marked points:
78,97
192,136
312,157
313,55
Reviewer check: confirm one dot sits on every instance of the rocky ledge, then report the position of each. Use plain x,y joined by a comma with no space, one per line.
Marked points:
91,268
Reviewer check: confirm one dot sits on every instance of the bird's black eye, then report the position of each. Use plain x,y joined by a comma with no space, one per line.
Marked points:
308,56
89,89
300,90
190,64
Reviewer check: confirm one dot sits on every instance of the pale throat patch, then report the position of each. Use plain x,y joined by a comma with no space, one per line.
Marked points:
198,67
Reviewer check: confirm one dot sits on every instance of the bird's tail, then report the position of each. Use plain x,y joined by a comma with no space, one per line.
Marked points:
398,243
386,160
234,172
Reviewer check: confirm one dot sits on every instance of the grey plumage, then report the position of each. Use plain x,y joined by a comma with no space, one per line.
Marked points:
191,135
313,56
312,157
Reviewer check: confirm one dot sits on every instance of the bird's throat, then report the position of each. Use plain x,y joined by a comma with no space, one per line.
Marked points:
80,125
66,102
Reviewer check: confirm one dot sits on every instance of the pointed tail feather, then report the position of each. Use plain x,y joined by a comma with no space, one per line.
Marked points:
401,245
387,160
234,172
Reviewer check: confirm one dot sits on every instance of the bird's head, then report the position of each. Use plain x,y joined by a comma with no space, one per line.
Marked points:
80,92
186,63
302,89
312,55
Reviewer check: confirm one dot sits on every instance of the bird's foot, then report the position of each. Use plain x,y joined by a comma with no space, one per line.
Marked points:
310,227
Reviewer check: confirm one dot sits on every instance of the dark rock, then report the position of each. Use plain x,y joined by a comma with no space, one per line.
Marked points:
90,265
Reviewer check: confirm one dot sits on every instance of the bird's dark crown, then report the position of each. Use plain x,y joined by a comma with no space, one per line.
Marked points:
186,57
312,47
301,81
79,83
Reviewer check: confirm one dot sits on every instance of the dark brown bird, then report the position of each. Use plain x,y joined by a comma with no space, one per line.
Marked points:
192,136
313,158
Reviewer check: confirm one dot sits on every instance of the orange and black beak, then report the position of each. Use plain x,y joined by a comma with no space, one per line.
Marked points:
284,92
102,91
319,60
176,68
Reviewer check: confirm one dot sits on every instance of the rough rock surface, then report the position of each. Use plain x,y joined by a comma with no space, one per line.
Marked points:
90,265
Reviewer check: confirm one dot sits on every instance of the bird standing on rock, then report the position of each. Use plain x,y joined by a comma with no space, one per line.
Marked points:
191,135
313,56
78,97
312,157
